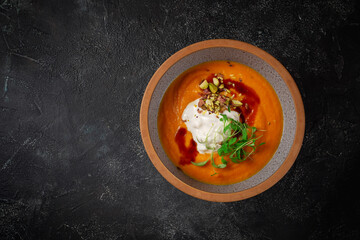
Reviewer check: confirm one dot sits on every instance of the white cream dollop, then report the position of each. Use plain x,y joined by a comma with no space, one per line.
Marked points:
206,128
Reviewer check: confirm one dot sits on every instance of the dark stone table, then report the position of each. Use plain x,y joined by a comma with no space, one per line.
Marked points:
72,76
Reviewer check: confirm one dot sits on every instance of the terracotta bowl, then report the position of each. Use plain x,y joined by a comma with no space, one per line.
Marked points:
266,65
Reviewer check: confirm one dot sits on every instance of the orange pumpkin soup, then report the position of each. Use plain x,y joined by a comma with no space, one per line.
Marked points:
251,96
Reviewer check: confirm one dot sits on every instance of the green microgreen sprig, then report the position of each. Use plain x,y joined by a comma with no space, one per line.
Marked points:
238,137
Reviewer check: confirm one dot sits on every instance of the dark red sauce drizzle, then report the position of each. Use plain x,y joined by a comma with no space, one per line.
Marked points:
210,78
189,153
250,101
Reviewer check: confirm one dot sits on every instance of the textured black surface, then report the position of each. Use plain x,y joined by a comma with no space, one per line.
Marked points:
72,163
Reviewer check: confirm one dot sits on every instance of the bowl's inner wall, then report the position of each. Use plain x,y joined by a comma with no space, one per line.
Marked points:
231,54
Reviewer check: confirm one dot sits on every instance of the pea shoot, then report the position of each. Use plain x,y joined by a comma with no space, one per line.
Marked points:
238,137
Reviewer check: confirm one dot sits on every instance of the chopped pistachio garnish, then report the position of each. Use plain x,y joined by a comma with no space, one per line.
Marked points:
216,81
215,97
213,88
204,84
236,103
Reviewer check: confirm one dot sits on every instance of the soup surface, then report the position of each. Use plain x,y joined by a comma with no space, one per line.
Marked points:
260,108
